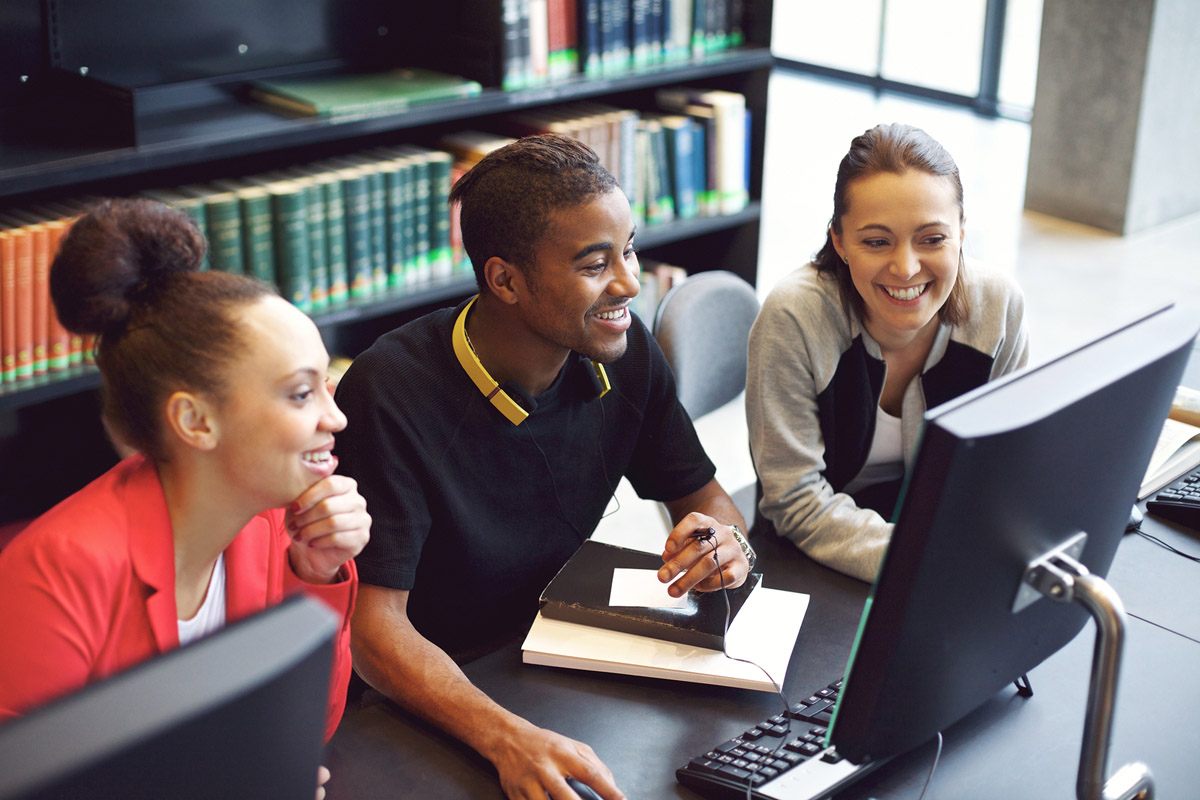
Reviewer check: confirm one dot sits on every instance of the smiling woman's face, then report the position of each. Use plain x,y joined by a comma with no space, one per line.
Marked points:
901,237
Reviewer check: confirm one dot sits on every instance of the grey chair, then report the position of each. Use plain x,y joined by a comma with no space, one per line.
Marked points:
703,328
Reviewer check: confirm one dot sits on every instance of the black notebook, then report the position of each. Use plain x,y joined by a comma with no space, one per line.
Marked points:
580,593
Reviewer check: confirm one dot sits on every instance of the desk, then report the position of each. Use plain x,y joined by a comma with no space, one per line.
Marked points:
643,729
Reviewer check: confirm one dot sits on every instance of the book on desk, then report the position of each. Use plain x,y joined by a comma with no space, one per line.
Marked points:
579,627
1178,449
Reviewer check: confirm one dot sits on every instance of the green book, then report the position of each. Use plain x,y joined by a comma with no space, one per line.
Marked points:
420,212
258,242
335,233
377,181
293,270
223,222
396,175
441,260
356,193
352,95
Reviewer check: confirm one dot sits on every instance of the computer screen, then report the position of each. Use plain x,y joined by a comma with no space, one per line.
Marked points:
1003,474
240,713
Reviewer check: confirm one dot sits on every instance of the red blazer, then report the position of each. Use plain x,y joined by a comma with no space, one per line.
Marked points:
88,589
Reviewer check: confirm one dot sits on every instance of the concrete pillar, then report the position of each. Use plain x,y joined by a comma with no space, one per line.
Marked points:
1115,140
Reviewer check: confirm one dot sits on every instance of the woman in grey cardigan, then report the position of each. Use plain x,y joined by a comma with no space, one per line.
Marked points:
851,349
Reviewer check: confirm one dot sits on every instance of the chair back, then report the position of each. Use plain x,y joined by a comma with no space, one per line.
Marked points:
703,327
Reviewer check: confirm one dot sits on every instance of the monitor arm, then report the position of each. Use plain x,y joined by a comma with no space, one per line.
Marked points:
1059,576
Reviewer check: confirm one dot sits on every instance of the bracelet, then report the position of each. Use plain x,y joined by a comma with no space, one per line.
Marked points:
747,550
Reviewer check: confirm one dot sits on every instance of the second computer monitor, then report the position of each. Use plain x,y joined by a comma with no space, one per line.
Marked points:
1003,475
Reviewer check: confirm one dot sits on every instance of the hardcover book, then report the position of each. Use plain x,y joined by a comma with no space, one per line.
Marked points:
362,94
581,591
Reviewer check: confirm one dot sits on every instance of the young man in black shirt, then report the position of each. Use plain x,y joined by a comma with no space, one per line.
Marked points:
489,438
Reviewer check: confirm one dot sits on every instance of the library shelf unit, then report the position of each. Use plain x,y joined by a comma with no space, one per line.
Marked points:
51,439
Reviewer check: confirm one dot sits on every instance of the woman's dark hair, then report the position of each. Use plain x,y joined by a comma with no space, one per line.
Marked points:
891,148
508,197
128,272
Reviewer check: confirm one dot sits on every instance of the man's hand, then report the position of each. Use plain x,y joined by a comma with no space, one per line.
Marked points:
329,525
692,556
533,761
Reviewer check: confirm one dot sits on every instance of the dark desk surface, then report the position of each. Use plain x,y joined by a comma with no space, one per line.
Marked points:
643,729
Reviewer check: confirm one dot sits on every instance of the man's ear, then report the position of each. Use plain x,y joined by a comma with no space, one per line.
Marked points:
192,418
504,280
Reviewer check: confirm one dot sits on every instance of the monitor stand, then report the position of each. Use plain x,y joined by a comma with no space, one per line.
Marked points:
1059,576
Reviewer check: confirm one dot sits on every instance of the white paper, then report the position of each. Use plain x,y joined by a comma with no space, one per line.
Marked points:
764,632
643,589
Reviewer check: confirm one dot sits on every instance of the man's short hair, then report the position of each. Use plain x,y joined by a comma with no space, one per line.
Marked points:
508,197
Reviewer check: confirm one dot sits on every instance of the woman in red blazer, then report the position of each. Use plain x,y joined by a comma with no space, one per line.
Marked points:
231,502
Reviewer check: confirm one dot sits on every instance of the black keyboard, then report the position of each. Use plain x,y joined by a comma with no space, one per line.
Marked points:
1179,502
783,757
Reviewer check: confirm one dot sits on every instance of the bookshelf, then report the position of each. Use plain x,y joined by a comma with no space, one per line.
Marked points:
50,434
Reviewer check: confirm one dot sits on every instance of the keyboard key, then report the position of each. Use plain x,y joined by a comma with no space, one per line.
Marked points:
704,765
832,756
752,735
726,747
734,772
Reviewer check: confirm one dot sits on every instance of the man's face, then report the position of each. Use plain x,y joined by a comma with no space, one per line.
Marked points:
584,277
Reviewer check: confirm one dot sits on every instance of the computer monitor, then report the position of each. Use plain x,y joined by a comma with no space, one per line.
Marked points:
240,713
1003,474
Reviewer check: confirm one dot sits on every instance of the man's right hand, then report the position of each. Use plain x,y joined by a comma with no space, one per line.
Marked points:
533,761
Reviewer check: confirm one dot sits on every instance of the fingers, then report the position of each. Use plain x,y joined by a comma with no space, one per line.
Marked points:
697,559
330,514
539,769
322,779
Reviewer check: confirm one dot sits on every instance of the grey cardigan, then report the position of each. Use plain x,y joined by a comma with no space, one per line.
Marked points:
812,387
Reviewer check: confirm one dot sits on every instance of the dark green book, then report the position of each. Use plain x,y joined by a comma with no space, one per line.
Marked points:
378,193
293,270
356,191
441,259
420,212
351,95
314,201
258,239
395,173
581,590
335,234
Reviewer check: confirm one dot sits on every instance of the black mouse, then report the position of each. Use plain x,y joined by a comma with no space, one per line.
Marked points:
584,791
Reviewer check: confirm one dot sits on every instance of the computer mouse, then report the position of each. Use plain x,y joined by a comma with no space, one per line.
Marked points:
584,791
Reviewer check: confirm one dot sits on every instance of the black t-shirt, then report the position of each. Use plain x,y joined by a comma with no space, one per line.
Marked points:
475,515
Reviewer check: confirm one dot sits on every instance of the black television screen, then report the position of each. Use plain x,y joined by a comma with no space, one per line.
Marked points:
240,713
1003,474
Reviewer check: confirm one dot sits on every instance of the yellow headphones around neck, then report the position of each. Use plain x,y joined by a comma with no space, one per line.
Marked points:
488,386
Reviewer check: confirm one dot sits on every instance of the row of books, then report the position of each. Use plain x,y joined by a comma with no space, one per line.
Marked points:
548,40
348,228
689,159
32,341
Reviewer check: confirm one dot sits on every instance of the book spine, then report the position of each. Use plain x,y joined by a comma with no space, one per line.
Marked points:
539,42
407,175
640,30
377,189
591,46
622,17
223,218
513,68
23,259
292,268
682,146
195,211
737,17
571,34
679,29
556,39
258,239
628,153
658,12
662,173
441,262
641,150
394,179
699,18
358,235
314,203
8,308
422,195
335,240
40,239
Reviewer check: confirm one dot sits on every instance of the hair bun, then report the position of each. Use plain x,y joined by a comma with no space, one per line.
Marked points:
115,257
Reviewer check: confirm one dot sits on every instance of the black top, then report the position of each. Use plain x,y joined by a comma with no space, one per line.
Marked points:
475,515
